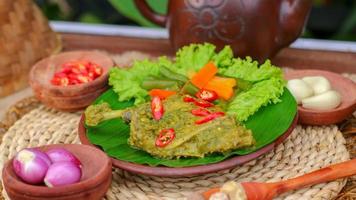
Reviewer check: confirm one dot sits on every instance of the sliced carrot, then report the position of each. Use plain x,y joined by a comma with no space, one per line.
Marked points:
224,81
222,86
224,91
162,94
204,75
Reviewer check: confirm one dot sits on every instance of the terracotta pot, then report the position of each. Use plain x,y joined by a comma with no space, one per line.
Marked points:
255,28
95,181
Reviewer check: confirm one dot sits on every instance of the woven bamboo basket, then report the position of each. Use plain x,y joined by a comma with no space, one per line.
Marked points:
25,37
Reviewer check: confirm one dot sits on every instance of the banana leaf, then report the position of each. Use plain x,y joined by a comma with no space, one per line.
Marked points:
267,125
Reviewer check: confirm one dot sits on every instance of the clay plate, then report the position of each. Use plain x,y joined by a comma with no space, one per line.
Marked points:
189,171
96,178
344,86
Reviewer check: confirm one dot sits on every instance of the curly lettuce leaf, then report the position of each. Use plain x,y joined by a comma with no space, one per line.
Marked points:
268,84
249,70
250,101
127,81
195,56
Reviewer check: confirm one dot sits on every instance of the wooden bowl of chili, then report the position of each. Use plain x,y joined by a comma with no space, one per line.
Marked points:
70,81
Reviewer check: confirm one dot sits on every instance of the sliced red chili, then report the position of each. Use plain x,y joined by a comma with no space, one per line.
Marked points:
209,117
203,103
207,95
188,99
200,112
77,72
157,108
62,81
165,137
198,102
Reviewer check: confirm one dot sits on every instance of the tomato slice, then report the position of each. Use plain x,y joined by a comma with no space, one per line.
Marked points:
165,137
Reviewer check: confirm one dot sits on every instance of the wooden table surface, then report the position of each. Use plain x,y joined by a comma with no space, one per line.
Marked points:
288,57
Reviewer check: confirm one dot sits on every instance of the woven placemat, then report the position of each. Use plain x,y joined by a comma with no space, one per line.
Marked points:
307,149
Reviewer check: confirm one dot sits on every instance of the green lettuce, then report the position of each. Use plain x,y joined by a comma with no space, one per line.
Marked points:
260,94
127,81
268,86
195,56
267,80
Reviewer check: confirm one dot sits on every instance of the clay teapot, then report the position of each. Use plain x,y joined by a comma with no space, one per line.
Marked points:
256,28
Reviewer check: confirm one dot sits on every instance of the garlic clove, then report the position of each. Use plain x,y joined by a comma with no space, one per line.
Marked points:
325,101
319,84
299,89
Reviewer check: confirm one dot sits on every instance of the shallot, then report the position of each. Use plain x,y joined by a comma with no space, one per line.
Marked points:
61,154
31,165
62,173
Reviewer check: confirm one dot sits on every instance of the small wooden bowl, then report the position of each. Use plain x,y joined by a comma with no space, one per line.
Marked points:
69,104
344,86
95,181
43,71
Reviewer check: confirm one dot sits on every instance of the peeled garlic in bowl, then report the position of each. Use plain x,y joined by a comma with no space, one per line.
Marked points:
299,89
314,92
319,83
325,101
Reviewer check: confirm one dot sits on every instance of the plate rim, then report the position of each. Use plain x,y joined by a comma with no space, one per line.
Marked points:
164,171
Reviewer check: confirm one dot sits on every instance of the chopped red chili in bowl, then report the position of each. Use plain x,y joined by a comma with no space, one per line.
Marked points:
76,72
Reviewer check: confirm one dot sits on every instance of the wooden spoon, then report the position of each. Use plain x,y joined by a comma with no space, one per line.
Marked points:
266,191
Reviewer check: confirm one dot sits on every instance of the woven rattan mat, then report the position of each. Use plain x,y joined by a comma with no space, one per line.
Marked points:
307,149
28,123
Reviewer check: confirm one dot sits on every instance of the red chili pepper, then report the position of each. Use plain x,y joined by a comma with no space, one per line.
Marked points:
209,117
165,137
203,103
157,108
207,95
198,102
76,72
188,99
62,81
200,112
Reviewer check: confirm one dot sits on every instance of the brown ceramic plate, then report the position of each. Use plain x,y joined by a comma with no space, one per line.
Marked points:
95,181
344,86
189,171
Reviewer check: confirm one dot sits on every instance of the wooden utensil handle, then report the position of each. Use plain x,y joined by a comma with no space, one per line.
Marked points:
329,173
151,15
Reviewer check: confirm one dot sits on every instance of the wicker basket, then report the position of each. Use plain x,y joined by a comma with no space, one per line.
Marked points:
25,37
